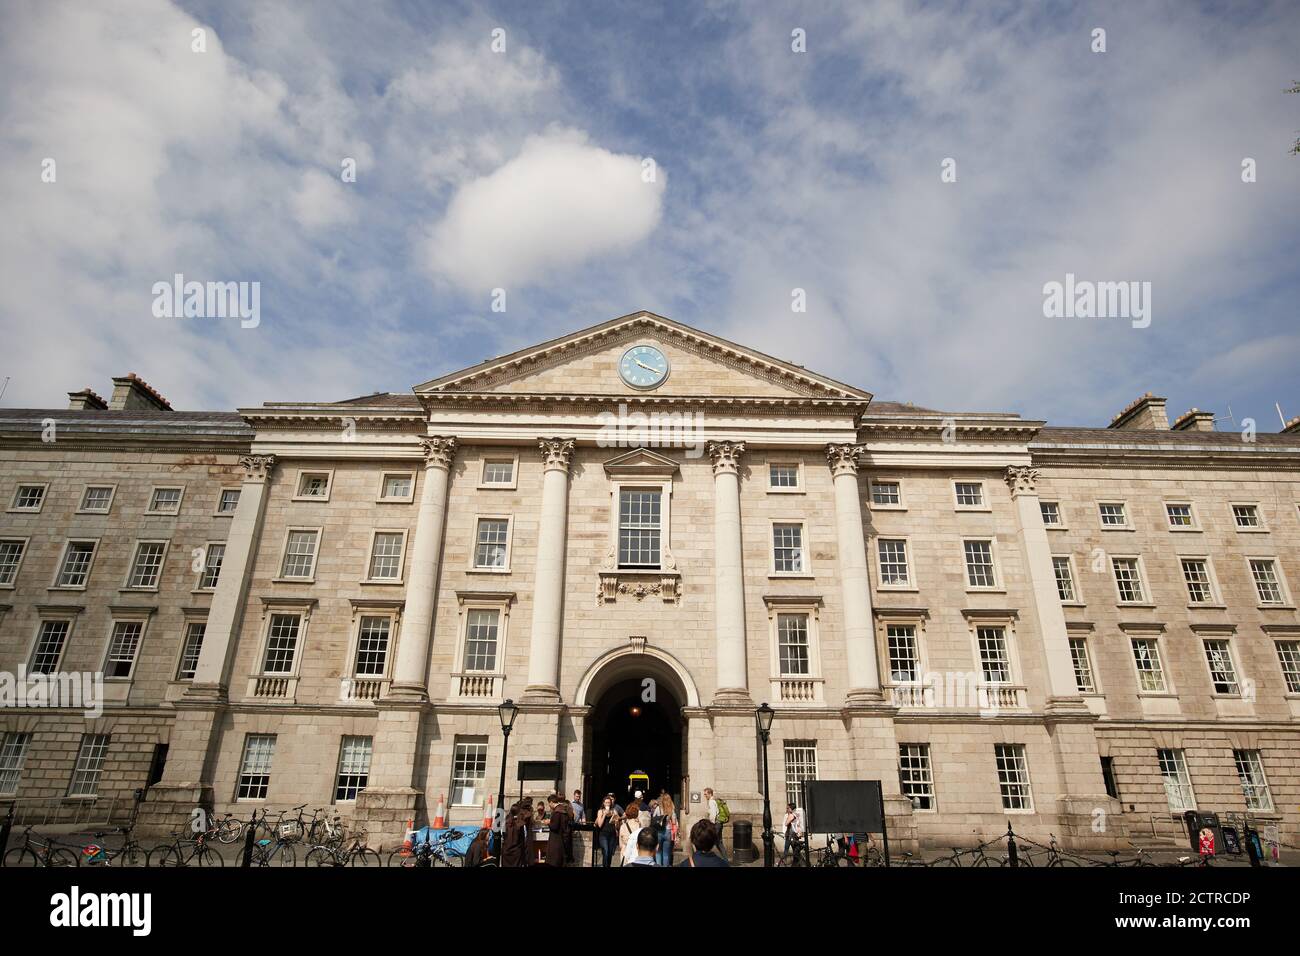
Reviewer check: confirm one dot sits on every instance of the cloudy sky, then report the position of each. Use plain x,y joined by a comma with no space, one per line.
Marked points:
523,170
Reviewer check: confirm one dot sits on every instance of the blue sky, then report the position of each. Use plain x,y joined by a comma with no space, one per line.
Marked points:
776,170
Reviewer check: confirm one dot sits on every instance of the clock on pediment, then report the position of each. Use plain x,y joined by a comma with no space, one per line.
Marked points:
643,366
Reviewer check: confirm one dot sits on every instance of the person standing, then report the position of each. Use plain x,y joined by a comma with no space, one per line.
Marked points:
559,846
704,835
514,842
627,831
579,811
719,814
607,822
664,823
646,843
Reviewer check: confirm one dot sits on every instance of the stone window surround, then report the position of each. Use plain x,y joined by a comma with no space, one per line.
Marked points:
886,479
778,459
624,472
511,485
400,579
1083,632
1156,633
805,548
998,586
1005,619
284,550
125,614
1128,515
18,486
873,555
1287,603
1228,634
1061,523
63,557
189,615
1143,580
135,558
203,571
984,505
308,472
806,604
1194,527
915,618
1074,580
18,568
383,483
1262,527
216,508
466,601
171,512
53,612
509,519
271,606
112,494
363,608
1216,592
1282,634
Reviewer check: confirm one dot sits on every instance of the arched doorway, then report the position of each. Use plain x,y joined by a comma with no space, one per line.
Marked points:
635,724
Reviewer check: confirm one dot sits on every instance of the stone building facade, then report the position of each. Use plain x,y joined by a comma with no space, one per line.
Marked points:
639,532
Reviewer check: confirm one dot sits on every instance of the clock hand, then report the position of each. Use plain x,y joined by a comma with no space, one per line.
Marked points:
646,367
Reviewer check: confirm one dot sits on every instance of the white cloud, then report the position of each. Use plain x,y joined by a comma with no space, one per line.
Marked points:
321,200
560,202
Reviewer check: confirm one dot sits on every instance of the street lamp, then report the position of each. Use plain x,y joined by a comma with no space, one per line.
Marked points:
763,717
507,711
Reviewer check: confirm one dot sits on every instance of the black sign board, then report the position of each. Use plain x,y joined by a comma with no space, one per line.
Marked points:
846,806
540,770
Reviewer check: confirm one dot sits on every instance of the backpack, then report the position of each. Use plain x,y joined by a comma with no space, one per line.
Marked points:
724,814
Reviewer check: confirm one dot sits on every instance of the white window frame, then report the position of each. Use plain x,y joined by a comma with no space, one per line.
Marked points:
481,744
810,619
1237,680
284,554
805,549
1256,759
221,493
310,472
81,502
511,485
15,755
911,583
1182,779
920,774
806,746
124,618
1006,625
1020,753
475,568
1161,659
186,624
63,559
995,564
1077,600
984,505
270,610
18,566
1093,690
82,768
1282,586
69,618
797,488
18,487
1147,599
1261,528
872,505
468,601
401,558
172,512
665,488
243,765
383,499
1291,657
1193,515
1216,595
1060,514
339,773
203,573
359,613
917,625
1127,512
135,559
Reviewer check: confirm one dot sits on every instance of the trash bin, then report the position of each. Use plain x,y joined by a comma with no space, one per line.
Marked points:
742,842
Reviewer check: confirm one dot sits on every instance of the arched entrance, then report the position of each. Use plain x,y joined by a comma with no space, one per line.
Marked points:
635,724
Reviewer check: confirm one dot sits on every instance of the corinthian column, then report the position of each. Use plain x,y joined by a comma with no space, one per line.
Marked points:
411,671
728,575
860,644
548,590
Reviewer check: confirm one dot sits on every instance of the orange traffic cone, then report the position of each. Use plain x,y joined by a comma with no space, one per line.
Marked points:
406,844
439,823
487,813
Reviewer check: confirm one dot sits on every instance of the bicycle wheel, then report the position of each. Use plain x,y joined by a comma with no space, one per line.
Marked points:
206,856
20,856
945,861
284,855
1064,861
448,859
164,855
402,857
230,831
61,857
365,857
321,856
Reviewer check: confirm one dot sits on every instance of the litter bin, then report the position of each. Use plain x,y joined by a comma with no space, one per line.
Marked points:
742,842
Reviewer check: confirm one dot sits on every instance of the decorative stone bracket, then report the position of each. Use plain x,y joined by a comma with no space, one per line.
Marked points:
666,582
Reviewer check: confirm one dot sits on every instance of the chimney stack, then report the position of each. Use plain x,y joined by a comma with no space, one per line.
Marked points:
1194,420
132,393
1292,427
1145,414
85,400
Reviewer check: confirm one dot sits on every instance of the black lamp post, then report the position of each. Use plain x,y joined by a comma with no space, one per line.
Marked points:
507,711
763,716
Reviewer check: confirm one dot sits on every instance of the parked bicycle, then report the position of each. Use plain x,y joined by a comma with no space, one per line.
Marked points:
41,851
429,852
973,856
278,850
1054,857
356,853
1140,859
130,853
184,850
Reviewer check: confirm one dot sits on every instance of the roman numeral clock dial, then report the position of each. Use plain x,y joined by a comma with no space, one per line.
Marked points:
643,366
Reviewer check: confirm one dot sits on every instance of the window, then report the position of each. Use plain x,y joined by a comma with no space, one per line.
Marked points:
800,767
300,554
1223,675
491,543
49,647
11,555
468,770
90,762
1246,517
386,556
1180,516
886,494
792,644
787,549
397,487
1196,575
970,494
122,648
1108,777
1064,579
147,566
281,644
28,498
1013,776
165,501
97,499
314,484
1288,656
995,663
979,564
76,564
13,751
499,472
1051,511
228,501
482,626
893,562
638,528
783,476
1128,580
190,649
354,767
1178,784
212,558
1146,657
1254,785
1267,585
1113,514
255,768
914,776
904,659
373,638
1083,679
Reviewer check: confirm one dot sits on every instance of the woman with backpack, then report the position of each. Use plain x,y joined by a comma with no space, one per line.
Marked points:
628,829
665,823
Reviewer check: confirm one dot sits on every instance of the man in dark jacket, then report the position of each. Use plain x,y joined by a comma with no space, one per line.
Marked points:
704,837
559,842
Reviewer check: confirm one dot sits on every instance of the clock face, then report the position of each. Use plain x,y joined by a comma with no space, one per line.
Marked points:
643,366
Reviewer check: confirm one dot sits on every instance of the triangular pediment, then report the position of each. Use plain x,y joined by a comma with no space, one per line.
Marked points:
587,363
640,462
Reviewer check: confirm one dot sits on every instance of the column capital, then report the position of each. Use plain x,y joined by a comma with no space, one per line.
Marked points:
557,453
843,458
726,456
1022,480
257,467
439,451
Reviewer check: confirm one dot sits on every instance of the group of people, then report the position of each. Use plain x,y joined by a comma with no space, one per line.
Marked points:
644,833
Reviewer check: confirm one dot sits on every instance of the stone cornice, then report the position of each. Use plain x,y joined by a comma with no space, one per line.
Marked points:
550,400
958,428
